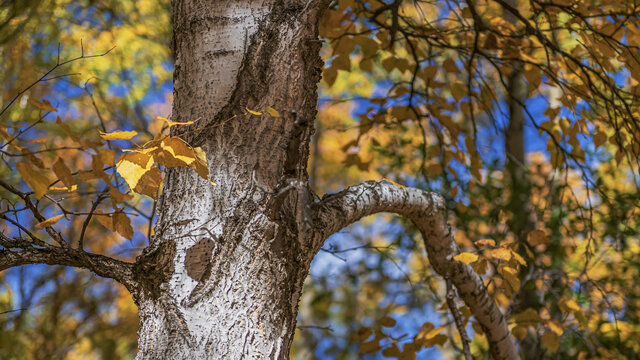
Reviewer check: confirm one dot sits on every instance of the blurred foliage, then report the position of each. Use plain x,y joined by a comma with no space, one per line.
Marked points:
417,92
54,313
420,92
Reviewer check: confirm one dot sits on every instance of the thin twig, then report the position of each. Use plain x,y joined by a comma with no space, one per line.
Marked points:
44,77
458,320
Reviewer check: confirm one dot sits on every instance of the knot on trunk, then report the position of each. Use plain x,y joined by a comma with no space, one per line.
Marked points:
153,268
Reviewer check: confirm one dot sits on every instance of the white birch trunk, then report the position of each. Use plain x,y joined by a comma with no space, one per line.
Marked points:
232,272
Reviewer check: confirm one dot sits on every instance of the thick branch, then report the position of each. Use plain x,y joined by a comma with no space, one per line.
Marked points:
428,212
23,254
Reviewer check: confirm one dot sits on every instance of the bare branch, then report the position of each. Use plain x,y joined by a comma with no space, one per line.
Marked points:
19,252
428,212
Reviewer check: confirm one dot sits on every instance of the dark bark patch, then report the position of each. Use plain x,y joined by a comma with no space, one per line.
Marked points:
154,268
198,259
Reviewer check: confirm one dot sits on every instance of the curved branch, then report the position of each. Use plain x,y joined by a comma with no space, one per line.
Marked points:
427,211
17,253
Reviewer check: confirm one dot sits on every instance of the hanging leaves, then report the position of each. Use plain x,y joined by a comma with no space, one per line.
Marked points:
122,224
43,105
36,179
139,167
63,173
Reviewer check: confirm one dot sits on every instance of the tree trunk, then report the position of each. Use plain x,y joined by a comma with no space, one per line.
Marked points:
233,263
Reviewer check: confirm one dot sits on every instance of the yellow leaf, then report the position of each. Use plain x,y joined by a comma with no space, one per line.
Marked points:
149,183
122,224
131,166
477,328
426,328
393,182
273,112
550,341
458,90
107,156
434,170
537,237
431,334
599,138
370,347
43,105
88,175
528,317
481,267
430,71
176,153
392,351
72,134
485,242
37,140
173,123
212,183
49,222
118,197
63,173
510,270
64,188
104,219
450,66
509,274
501,253
387,321
520,332
34,178
572,305
118,135
556,326
518,258
253,112
466,258
200,165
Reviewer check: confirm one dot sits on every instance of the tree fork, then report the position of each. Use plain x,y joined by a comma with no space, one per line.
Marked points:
233,272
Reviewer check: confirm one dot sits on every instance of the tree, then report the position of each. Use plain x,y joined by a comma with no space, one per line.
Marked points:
238,224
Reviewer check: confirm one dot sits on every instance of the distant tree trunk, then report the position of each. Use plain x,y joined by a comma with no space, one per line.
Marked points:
224,271
523,214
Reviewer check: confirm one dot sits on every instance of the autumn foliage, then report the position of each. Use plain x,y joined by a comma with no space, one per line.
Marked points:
416,93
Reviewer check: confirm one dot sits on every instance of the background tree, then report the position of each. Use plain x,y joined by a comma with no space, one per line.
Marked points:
432,87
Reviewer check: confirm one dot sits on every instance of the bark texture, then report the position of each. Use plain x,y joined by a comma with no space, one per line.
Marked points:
232,257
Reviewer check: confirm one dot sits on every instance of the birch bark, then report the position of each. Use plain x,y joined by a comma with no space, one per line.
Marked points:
222,276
